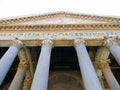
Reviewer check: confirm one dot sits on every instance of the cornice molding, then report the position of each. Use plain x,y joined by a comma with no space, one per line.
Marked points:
60,14
106,26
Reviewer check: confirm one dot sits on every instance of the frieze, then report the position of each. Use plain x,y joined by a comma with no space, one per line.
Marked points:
59,35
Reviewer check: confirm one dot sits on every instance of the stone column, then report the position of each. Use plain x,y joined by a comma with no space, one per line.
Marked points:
23,65
8,58
90,79
101,78
112,82
114,48
28,54
27,81
40,80
101,54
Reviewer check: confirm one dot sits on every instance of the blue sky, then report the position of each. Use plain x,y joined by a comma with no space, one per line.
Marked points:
11,8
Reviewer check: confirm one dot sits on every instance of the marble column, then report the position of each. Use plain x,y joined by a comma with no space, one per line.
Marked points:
19,76
90,79
40,80
112,82
8,58
114,48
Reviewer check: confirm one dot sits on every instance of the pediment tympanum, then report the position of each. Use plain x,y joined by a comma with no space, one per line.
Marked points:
59,18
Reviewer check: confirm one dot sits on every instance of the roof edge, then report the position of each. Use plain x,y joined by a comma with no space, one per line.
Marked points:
60,14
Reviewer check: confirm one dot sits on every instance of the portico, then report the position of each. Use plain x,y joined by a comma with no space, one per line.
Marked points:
35,39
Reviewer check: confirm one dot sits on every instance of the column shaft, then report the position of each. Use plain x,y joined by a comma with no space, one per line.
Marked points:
113,84
114,48
27,80
7,59
17,81
30,61
19,76
40,79
103,63
102,55
89,75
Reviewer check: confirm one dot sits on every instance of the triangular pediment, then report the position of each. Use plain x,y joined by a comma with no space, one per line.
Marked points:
59,18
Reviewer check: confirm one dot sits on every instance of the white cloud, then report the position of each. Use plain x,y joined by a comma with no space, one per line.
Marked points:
9,8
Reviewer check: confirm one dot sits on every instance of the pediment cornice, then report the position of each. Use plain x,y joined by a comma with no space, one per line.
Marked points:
59,15
106,26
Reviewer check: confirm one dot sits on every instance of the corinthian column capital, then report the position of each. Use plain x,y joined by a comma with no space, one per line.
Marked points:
23,59
23,65
104,64
17,43
79,42
47,42
110,42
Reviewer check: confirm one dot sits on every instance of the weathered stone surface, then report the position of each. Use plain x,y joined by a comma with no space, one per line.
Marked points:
65,81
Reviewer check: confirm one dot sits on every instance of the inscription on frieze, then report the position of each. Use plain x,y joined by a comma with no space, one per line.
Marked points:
59,35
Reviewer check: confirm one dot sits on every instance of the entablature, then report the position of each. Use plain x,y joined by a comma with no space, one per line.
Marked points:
63,35
93,29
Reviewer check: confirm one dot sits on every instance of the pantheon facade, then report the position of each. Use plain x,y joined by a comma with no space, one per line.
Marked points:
60,51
